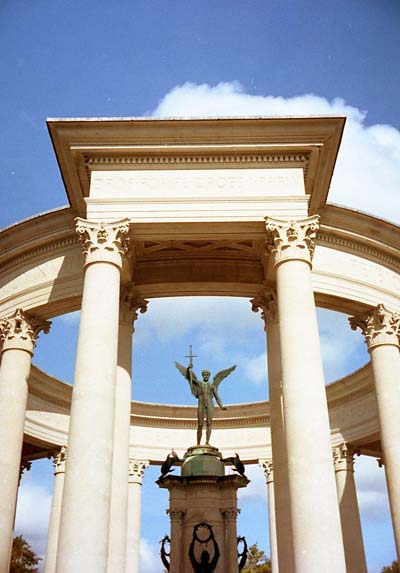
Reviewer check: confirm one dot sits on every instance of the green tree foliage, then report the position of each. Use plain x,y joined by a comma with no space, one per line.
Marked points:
393,568
23,559
257,561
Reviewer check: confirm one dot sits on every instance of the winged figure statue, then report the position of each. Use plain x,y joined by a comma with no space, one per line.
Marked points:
205,392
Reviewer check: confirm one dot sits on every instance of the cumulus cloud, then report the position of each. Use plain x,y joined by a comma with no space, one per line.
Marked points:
256,369
371,490
149,557
32,517
172,317
367,173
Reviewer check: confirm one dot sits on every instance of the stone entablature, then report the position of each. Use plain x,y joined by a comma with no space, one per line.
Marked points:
351,402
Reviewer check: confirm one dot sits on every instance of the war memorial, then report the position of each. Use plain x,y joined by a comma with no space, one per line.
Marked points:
217,207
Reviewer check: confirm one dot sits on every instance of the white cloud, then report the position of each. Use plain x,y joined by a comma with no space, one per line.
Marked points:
257,486
371,490
343,350
150,557
172,317
256,369
368,166
32,518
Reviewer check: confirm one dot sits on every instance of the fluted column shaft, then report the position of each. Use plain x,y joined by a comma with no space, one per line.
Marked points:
343,458
381,329
18,334
269,476
120,466
55,514
231,557
136,472
176,517
317,538
266,302
84,529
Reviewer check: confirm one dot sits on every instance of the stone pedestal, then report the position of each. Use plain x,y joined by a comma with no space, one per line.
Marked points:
203,493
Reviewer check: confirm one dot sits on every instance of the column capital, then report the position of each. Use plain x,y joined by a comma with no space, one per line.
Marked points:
103,241
292,240
230,513
343,457
265,301
268,469
379,326
59,460
176,514
24,467
21,330
131,305
136,470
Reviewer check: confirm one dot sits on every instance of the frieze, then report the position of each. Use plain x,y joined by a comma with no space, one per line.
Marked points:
36,252
355,246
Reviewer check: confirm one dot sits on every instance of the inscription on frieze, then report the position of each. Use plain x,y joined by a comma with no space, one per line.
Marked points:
207,183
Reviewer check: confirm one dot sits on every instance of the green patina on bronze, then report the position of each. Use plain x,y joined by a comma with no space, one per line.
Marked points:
203,461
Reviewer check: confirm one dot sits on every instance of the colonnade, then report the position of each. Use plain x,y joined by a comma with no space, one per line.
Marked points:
90,517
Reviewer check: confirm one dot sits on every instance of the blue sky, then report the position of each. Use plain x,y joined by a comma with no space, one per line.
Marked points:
180,58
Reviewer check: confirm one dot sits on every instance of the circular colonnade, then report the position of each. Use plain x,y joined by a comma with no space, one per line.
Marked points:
354,261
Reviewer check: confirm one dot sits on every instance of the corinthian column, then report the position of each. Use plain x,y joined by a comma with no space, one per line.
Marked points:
343,458
266,302
84,529
18,334
268,469
136,472
317,538
381,330
55,514
130,304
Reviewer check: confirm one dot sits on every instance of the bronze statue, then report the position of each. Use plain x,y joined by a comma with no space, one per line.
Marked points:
204,565
205,392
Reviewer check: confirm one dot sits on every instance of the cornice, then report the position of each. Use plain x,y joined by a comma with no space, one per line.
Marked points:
53,392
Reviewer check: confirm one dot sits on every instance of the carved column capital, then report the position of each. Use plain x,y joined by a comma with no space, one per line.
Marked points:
343,457
265,302
21,330
176,514
131,305
24,467
103,241
292,239
59,460
379,326
136,470
230,513
268,469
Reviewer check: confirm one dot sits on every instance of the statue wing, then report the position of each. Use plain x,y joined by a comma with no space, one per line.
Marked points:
185,373
221,375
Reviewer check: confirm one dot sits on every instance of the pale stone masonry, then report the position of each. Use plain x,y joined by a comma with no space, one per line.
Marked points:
224,207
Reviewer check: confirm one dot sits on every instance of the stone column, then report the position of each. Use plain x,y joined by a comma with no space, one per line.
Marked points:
266,302
176,517
231,556
18,334
129,306
343,458
136,472
381,330
268,469
55,514
317,537
85,516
